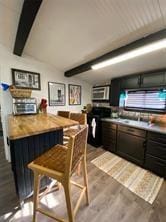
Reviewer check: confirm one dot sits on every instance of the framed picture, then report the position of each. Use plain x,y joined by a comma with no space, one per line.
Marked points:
74,94
26,79
56,94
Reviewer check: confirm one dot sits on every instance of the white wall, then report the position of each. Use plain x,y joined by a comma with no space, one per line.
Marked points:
47,73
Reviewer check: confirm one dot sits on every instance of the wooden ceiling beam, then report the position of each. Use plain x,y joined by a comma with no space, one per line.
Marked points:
27,17
136,44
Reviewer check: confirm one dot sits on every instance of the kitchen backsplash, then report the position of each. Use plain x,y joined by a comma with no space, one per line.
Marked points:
134,115
101,104
140,115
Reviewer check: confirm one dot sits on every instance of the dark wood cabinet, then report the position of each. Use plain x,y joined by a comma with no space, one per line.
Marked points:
155,165
152,79
147,149
109,136
156,149
155,159
130,82
115,92
128,142
131,146
155,79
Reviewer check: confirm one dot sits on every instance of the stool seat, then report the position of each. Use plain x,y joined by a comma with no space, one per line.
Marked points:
53,159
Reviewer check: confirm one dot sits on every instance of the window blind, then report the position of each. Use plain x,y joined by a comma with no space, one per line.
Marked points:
145,99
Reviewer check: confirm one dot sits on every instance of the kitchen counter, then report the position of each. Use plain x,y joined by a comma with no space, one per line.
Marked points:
29,137
28,125
138,124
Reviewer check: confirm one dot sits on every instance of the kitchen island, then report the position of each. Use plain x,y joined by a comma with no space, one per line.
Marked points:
29,136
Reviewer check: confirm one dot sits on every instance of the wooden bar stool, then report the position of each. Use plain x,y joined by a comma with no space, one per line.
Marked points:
65,114
81,118
60,163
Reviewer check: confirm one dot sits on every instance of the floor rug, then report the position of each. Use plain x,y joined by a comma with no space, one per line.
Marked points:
138,180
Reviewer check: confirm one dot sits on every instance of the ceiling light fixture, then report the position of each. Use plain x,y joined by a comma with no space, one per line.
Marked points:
132,54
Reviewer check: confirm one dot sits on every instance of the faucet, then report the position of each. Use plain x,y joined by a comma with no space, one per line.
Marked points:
139,116
149,119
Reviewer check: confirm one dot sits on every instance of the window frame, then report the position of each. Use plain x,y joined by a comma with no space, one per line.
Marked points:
150,110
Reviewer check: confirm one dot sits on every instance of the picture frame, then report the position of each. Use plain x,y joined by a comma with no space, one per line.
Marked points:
56,94
74,94
26,79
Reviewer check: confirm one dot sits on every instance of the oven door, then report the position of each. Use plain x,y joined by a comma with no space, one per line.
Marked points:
24,108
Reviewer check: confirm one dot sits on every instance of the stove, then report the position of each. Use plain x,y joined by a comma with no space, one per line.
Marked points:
94,122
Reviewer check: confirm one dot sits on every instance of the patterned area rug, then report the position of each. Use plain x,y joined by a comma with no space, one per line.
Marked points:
138,180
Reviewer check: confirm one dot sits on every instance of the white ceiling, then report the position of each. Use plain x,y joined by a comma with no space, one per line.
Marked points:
67,33
9,17
151,61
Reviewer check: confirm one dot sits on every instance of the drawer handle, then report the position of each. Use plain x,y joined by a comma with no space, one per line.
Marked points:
131,130
144,144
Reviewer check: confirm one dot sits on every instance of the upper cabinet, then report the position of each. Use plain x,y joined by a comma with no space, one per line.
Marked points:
115,92
155,79
151,79
130,82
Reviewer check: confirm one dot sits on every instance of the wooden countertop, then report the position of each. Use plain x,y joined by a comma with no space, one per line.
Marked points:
28,125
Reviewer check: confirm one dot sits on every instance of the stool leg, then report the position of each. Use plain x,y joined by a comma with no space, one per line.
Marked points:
59,185
68,202
36,194
79,169
85,179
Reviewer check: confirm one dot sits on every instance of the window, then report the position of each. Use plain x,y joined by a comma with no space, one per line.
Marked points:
150,100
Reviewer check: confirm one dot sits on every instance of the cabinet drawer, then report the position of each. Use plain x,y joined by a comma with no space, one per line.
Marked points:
109,125
161,138
156,165
133,131
156,149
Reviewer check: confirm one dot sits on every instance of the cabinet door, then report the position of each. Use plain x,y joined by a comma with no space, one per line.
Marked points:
109,136
156,165
115,92
131,147
130,82
153,79
156,149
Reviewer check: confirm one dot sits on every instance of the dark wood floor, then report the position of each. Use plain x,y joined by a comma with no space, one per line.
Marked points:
110,201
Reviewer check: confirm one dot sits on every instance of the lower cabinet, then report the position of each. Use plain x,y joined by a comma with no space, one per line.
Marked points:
131,147
109,136
144,148
155,165
155,159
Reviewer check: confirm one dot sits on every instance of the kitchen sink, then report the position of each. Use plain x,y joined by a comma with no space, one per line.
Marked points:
134,122
125,121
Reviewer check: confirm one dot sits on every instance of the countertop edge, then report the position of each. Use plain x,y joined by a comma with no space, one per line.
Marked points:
151,129
17,125
34,133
